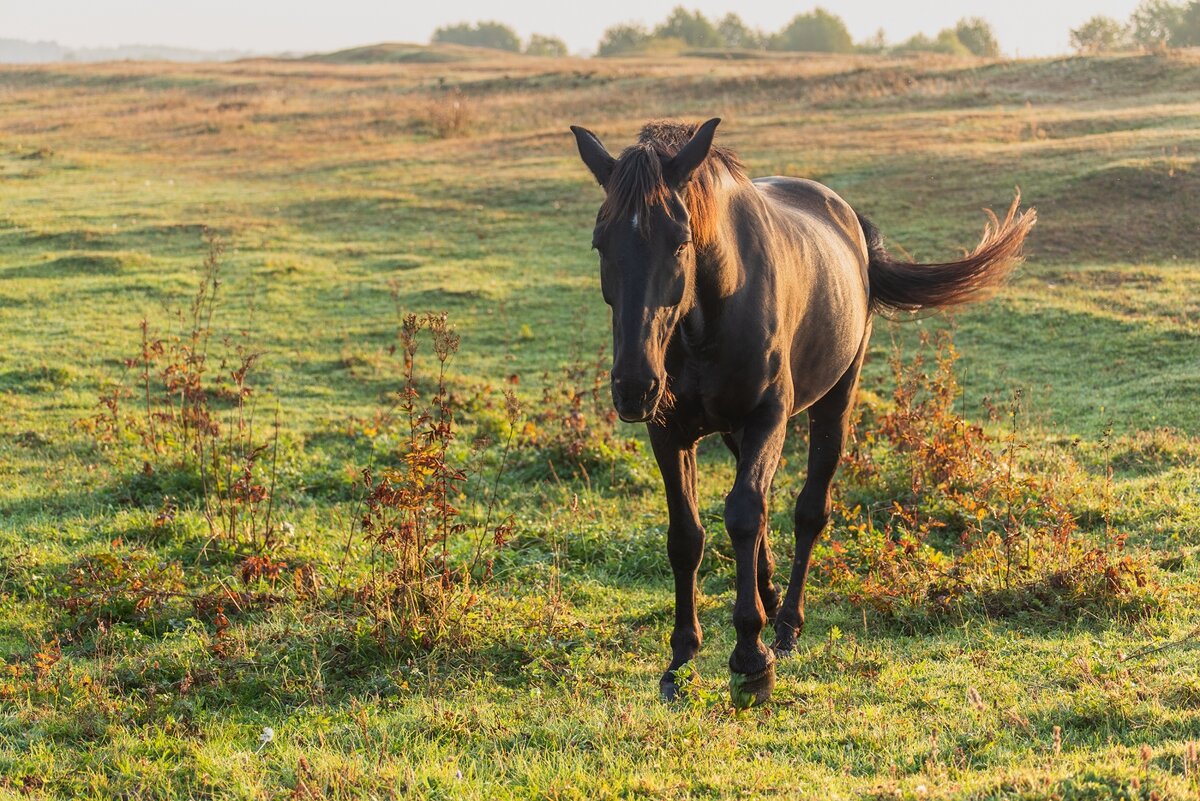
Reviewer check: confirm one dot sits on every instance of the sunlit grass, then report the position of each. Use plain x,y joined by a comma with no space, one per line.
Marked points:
330,191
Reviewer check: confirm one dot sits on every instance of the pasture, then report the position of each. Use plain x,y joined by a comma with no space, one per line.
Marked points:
145,657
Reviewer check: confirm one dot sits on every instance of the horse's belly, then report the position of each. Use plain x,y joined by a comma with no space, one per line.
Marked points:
824,349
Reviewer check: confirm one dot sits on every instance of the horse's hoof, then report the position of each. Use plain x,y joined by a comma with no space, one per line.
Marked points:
747,690
784,650
786,635
673,685
785,644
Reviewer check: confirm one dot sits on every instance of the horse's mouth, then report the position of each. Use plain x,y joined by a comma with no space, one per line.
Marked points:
641,415
638,402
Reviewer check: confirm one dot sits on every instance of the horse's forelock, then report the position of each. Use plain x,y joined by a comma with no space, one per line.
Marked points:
637,183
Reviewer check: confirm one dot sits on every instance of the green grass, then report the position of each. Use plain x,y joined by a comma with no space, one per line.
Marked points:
328,190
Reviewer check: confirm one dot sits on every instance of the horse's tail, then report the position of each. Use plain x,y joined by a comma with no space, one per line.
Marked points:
908,286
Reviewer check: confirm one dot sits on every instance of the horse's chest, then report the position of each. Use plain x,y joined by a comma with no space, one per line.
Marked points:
719,397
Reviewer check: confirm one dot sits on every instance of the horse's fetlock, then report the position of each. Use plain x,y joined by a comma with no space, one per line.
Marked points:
749,618
686,642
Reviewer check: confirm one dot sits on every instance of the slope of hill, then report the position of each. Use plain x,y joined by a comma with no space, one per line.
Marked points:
401,53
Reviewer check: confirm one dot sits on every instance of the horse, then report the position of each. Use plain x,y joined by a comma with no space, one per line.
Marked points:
736,304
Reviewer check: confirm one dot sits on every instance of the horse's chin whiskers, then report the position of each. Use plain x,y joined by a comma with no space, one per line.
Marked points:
666,404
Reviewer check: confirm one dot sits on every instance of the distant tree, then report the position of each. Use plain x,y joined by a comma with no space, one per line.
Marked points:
621,39
691,27
876,44
1187,34
976,35
539,45
1154,22
1100,34
817,31
482,34
945,42
737,35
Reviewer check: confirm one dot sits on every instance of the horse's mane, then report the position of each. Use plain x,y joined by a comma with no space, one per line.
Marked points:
637,182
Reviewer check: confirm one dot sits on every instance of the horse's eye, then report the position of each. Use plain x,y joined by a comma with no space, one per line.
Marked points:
679,250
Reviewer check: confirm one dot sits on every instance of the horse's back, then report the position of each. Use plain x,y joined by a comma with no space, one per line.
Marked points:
819,204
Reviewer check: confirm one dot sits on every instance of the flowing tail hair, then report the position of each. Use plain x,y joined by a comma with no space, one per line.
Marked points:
908,286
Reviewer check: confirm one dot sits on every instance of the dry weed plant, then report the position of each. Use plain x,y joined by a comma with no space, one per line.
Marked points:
427,560
193,411
967,528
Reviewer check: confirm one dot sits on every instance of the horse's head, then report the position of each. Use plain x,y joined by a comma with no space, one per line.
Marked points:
647,259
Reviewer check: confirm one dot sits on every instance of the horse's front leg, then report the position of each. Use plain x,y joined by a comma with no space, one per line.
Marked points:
752,664
685,547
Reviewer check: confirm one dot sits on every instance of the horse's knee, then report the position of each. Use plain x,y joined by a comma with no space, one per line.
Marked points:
745,515
811,516
685,547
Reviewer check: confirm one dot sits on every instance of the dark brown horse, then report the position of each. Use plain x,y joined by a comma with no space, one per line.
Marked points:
735,305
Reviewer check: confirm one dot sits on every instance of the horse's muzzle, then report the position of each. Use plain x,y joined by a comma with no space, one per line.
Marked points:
636,400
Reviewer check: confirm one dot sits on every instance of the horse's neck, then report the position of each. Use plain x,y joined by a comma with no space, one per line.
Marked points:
719,264
721,267
718,275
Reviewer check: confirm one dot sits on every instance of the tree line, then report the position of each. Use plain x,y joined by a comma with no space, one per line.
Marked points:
1153,24
816,31
499,36
819,31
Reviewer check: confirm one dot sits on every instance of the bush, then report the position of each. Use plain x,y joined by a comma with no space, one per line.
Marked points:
548,46
977,36
947,42
106,588
736,35
690,27
939,519
1154,23
1099,34
494,35
818,31
622,40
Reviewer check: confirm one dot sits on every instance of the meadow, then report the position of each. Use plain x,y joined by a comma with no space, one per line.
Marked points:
152,650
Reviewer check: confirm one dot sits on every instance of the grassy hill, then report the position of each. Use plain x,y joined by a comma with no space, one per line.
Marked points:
143,660
400,53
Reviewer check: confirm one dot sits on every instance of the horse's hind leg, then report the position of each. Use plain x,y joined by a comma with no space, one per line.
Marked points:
768,590
828,422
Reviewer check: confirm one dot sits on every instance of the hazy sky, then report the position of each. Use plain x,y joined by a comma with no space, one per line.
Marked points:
1024,27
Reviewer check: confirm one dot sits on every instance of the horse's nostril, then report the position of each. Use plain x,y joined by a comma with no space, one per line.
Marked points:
631,389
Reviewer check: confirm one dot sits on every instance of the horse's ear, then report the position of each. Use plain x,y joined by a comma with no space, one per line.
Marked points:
594,154
678,171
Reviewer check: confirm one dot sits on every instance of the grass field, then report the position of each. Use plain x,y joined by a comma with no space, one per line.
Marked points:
345,188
